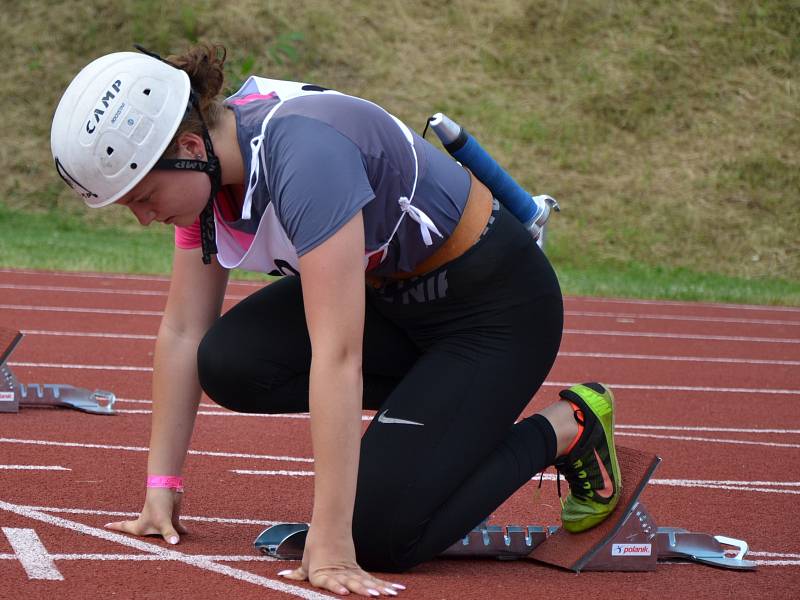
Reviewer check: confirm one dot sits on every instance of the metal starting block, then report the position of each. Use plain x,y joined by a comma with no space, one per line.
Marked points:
678,544
8,398
629,540
14,395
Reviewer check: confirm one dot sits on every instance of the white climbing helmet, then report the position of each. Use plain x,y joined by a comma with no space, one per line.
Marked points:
114,122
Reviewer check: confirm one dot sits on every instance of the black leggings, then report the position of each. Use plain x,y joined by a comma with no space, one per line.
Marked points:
460,351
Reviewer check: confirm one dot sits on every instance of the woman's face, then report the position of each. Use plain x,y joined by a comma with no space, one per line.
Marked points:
172,197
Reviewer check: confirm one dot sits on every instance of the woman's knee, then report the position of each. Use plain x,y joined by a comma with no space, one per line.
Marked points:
384,543
216,369
249,377
375,546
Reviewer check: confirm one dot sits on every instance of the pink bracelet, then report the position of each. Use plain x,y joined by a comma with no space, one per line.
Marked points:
165,481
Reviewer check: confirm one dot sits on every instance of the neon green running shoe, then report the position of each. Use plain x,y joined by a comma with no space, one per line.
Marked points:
590,467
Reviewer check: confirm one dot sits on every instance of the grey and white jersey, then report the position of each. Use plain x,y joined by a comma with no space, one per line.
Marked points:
322,157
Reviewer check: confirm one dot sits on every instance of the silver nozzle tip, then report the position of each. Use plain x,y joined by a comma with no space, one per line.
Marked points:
445,128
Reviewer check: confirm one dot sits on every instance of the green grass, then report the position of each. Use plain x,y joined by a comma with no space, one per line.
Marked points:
668,130
56,241
635,280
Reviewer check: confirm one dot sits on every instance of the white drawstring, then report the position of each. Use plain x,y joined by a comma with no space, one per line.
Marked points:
425,223
255,162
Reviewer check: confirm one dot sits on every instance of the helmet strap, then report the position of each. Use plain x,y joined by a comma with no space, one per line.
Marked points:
211,167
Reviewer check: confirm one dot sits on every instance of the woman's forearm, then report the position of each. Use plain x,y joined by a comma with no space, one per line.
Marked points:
176,396
193,304
335,402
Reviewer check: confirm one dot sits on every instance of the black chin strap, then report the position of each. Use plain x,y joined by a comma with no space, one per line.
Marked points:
211,167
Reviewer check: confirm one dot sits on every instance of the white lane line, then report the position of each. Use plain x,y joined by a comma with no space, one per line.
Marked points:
681,388
274,473
735,482
195,561
630,317
311,460
141,401
151,557
634,317
120,276
700,359
716,429
94,290
677,388
117,276
682,336
759,563
686,438
220,412
603,355
218,408
773,554
38,365
117,513
635,301
767,487
608,333
737,488
80,290
228,413
32,554
742,486
145,449
87,334
223,558
90,311
32,468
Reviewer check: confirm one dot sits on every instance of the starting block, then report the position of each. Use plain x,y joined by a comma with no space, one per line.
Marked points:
14,395
8,398
629,540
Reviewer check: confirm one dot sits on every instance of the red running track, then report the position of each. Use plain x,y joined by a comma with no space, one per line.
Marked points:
713,389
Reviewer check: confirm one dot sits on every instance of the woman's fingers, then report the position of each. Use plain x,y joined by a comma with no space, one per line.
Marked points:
122,526
140,528
171,536
176,514
135,527
346,581
295,574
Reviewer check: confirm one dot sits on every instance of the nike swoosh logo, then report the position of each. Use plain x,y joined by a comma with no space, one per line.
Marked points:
608,483
384,419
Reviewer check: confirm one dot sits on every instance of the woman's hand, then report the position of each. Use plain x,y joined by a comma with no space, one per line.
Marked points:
160,516
331,565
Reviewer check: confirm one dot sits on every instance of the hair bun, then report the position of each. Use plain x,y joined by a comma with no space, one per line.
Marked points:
204,65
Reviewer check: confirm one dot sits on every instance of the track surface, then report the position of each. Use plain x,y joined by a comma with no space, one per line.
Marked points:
712,389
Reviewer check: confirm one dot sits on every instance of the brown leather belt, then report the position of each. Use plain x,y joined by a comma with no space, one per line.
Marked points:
477,211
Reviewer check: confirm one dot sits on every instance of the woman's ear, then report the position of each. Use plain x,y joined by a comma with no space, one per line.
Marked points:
190,145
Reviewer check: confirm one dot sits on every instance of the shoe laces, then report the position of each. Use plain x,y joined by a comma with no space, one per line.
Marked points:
558,486
577,477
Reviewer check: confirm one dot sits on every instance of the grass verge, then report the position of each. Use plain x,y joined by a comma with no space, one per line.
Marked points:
54,241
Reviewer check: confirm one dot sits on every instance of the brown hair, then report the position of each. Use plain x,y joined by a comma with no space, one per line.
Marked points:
204,65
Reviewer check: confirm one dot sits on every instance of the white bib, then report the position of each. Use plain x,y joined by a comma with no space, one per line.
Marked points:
271,250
